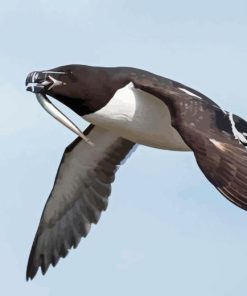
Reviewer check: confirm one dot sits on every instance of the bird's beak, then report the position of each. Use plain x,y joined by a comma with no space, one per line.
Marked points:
38,82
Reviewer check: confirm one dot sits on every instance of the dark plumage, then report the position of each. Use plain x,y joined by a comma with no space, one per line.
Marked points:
83,182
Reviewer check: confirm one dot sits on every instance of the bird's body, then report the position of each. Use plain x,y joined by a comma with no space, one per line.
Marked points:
139,117
127,106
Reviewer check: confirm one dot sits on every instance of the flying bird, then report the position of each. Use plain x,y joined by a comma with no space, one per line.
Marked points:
125,107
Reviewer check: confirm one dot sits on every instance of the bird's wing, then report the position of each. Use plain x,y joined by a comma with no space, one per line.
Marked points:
220,151
217,138
80,193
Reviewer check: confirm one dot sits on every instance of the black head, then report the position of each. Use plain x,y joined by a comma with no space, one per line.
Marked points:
82,88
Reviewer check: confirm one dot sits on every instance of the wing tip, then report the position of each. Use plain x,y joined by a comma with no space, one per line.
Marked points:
32,269
31,272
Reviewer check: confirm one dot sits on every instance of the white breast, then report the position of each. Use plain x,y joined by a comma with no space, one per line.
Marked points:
140,117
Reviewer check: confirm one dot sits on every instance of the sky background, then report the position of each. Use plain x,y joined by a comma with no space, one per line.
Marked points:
167,231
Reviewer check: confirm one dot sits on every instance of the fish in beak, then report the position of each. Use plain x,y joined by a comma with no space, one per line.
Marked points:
39,83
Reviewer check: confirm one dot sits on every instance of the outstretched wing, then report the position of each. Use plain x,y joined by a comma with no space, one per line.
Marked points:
216,137
79,195
220,153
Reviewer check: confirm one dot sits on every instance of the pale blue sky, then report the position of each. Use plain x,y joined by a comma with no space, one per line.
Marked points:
167,231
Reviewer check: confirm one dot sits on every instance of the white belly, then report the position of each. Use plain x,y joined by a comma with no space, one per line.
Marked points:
140,117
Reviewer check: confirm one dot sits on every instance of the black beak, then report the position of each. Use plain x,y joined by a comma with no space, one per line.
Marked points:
36,82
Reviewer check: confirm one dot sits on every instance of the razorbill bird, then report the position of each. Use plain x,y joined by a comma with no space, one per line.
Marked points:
126,106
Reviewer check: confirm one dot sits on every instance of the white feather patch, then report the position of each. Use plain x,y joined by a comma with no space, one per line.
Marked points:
189,93
237,135
218,144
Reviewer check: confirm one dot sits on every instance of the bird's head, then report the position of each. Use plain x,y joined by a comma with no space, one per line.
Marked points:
73,85
83,89
76,86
